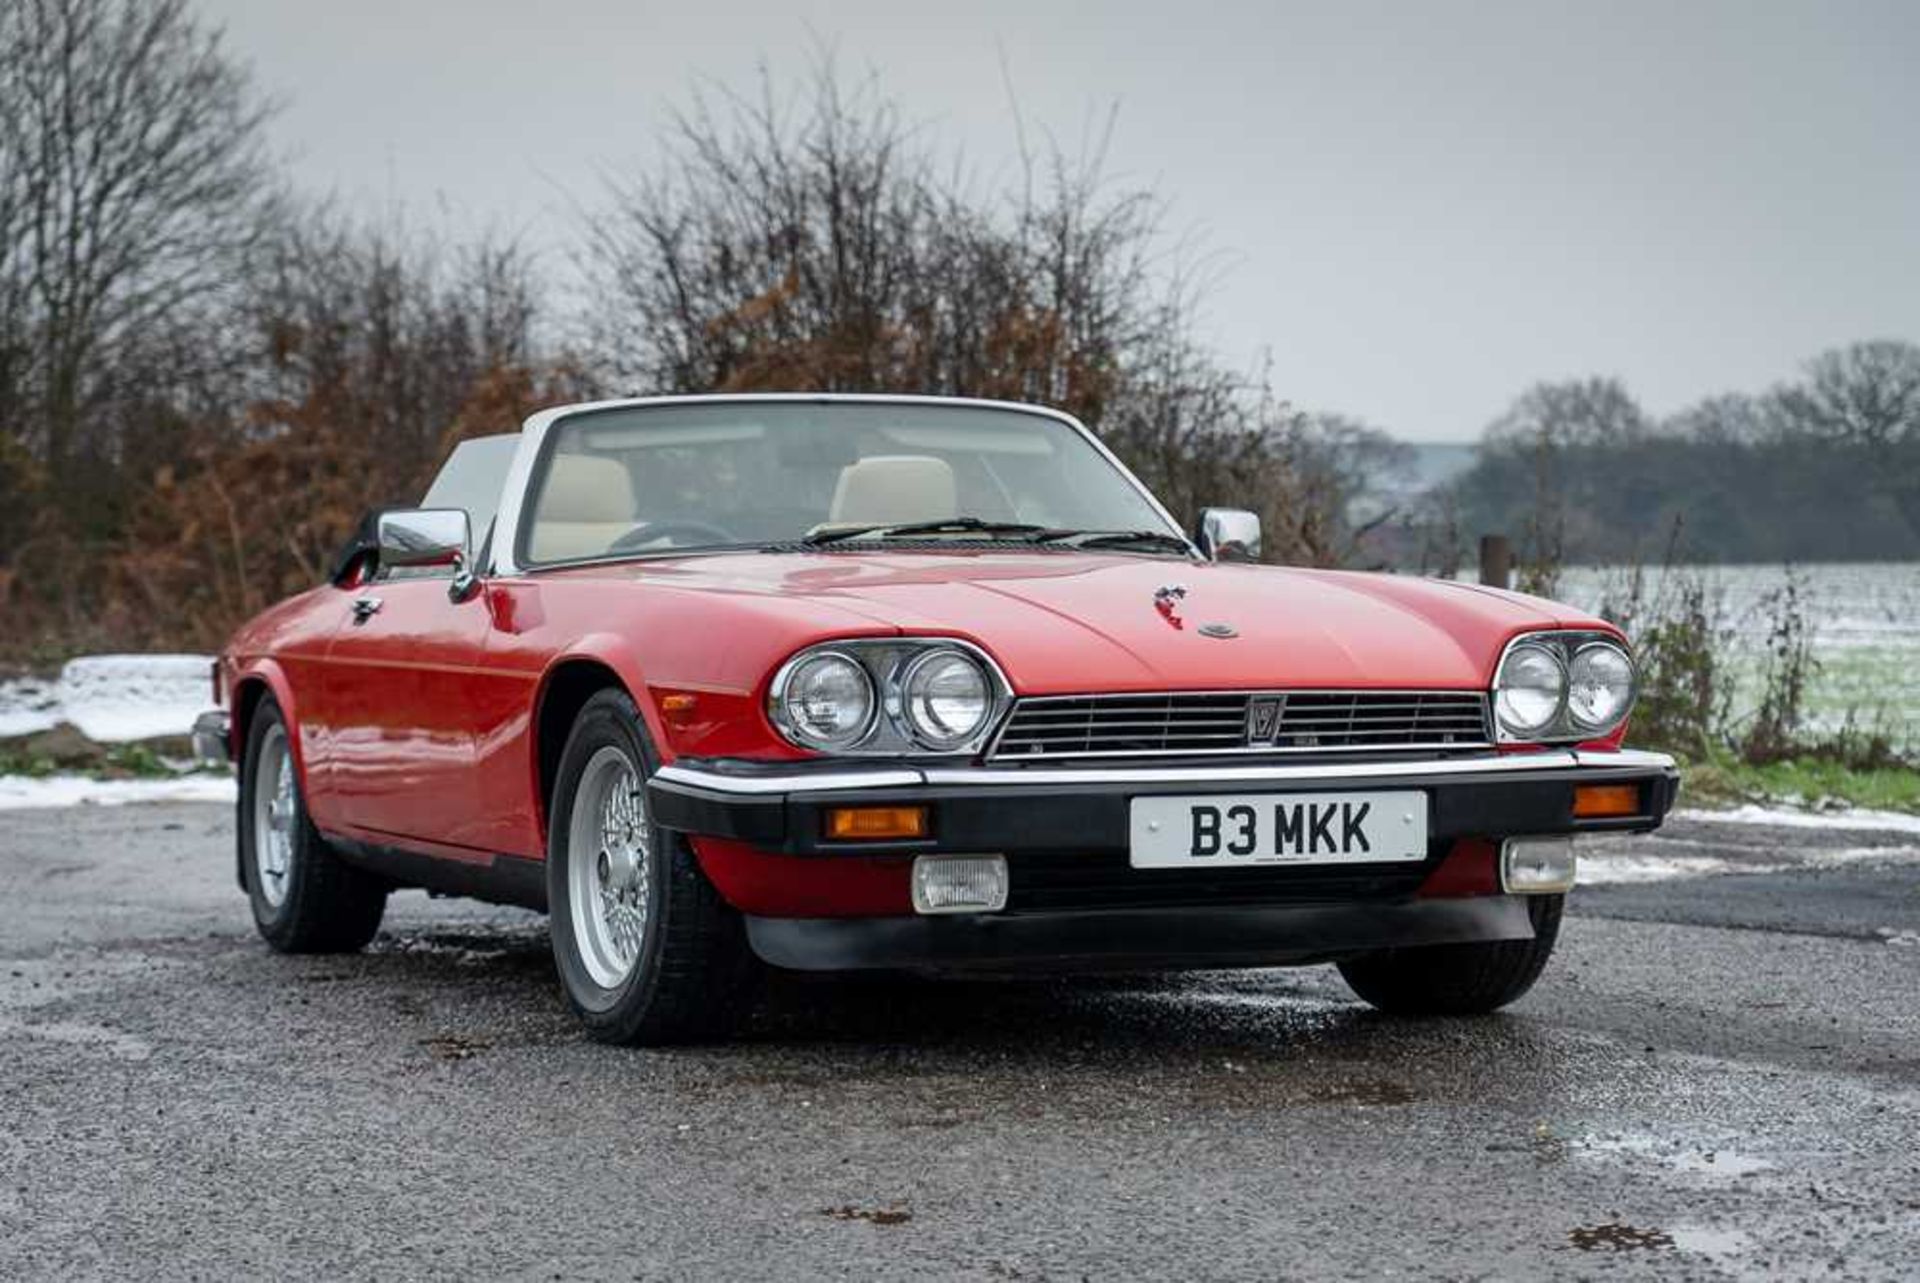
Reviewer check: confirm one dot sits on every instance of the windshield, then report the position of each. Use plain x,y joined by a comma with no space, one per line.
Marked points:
729,474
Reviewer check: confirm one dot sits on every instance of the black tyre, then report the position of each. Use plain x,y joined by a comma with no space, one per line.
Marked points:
1458,979
647,950
305,899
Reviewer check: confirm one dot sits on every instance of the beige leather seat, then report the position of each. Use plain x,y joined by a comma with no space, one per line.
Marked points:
889,489
587,504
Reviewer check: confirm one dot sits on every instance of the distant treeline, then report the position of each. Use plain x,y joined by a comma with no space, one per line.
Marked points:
1822,468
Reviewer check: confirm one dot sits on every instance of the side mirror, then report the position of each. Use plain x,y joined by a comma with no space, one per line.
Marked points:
1229,534
431,537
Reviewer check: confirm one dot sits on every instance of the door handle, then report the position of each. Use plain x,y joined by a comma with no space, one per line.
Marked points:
365,608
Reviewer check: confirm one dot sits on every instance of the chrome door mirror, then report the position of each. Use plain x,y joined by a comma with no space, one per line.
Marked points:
430,537
1229,534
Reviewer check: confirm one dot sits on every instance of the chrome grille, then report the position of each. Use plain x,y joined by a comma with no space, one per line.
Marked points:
1242,722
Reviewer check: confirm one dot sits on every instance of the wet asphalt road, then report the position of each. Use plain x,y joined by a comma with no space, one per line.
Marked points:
1718,1076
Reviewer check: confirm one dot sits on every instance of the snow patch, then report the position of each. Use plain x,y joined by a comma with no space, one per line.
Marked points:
112,699
1860,820
21,792
1615,870
28,705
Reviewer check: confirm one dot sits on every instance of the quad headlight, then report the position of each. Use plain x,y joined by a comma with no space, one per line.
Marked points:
826,701
1530,690
1562,686
948,698
892,696
1599,686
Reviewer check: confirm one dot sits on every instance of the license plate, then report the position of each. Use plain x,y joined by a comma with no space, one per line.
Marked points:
1277,828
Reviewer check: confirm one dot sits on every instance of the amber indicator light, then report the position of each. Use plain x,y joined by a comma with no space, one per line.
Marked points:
1605,801
876,823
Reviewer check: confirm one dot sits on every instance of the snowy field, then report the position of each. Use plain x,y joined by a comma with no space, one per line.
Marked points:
1865,620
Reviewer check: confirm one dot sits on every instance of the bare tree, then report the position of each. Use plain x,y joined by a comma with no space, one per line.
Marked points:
131,175
821,244
370,352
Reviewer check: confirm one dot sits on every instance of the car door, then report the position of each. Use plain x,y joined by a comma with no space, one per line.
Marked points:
399,700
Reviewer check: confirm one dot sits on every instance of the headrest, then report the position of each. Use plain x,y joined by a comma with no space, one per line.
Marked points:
586,487
887,489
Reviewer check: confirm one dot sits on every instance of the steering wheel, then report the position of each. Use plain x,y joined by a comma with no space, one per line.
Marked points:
648,531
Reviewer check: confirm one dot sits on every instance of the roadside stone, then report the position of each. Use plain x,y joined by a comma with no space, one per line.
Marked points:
63,745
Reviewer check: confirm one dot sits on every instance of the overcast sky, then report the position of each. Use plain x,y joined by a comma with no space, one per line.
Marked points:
1415,208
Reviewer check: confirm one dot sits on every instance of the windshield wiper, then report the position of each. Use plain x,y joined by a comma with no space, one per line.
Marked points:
1117,539
942,526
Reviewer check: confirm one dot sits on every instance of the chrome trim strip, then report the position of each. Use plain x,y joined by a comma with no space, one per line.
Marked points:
1624,757
852,777
533,434
855,777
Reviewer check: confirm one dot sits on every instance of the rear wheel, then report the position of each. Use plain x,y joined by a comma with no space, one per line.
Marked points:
647,950
305,899
1458,979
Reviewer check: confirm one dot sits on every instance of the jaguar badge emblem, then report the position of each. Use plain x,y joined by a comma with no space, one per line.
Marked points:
1263,718
1166,600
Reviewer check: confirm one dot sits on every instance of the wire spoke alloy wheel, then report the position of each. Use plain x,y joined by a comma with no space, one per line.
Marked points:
275,812
609,869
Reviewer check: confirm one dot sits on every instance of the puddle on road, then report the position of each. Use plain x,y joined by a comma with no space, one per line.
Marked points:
1717,1162
1710,1242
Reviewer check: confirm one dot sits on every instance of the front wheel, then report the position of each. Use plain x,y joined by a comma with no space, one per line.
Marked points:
305,899
1458,979
647,950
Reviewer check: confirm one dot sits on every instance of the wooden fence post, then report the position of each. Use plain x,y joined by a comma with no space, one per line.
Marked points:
1496,561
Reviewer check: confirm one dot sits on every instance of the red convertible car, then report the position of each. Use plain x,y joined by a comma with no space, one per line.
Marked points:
830,682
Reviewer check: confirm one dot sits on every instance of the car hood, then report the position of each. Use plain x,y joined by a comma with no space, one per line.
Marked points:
1064,622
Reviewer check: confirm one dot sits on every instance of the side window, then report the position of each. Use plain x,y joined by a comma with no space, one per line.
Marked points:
471,480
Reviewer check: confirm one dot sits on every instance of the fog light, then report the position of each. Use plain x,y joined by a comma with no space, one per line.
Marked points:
959,883
1536,866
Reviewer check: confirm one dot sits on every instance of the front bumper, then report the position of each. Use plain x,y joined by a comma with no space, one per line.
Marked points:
1074,900
781,807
